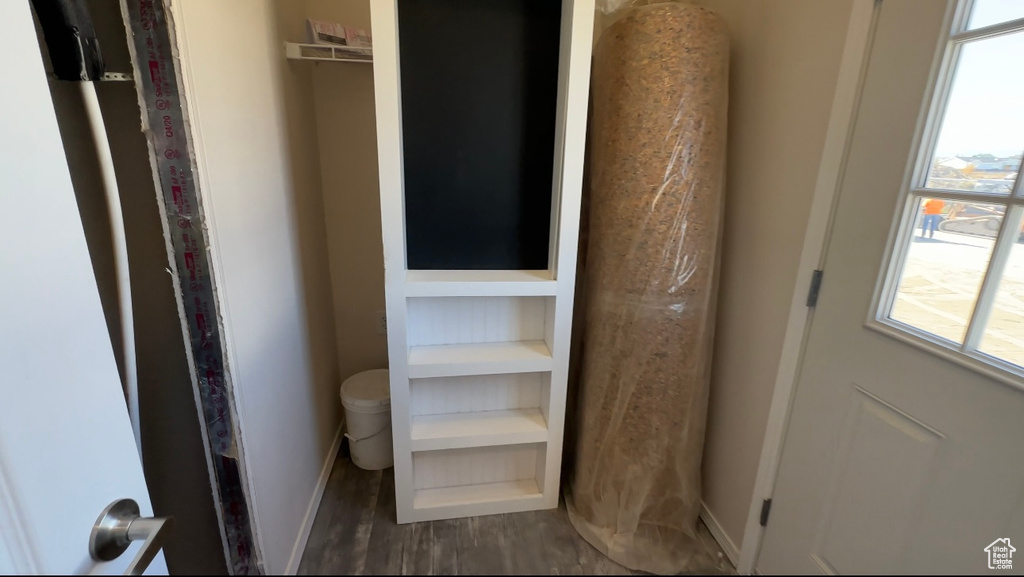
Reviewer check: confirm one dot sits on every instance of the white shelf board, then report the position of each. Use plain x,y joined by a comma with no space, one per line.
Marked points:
459,283
505,492
482,429
328,53
479,359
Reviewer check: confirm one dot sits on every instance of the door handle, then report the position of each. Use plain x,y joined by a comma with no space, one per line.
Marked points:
120,524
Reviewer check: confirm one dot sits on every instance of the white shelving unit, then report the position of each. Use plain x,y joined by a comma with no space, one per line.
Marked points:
485,283
481,429
328,53
479,358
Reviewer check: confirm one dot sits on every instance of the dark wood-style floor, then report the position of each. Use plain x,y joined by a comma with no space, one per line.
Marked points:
355,533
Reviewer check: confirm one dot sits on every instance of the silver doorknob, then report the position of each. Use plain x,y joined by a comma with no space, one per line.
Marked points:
120,524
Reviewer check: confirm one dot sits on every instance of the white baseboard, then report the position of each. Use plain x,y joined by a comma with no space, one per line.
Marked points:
314,503
728,547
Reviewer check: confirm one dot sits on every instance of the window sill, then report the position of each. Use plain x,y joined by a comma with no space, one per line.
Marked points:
991,367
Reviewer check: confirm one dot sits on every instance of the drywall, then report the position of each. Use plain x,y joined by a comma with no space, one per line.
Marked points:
175,466
300,114
348,157
785,64
257,164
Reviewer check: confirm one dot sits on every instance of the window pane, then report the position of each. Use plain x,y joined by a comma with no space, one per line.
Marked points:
982,134
1004,333
942,274
989,12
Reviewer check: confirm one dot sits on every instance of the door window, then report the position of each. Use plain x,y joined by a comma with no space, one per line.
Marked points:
955,279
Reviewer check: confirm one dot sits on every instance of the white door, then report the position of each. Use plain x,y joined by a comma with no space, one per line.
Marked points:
904,452
66,445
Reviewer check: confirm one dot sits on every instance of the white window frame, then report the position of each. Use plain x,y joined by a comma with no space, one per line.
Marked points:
904,225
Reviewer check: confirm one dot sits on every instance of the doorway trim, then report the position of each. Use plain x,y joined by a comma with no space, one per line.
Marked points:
845,103
158,47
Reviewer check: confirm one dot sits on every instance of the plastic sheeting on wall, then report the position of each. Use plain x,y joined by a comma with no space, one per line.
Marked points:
657,159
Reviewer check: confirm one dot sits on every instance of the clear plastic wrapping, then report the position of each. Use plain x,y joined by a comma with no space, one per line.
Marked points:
657,159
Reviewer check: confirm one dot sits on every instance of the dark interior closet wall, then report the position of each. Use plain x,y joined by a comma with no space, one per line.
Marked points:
173,450
479,87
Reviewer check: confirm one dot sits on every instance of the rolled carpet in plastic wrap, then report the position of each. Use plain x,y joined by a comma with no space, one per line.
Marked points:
657,159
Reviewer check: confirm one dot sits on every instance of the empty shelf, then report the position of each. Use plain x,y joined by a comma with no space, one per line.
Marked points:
479,359
476,494
457,283
487,428
328,52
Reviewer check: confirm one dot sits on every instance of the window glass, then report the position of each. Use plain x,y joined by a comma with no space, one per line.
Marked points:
1004,333
946,261
952,281
989,12
982,132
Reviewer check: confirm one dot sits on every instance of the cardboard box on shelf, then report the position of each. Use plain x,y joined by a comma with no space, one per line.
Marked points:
323,32
357,37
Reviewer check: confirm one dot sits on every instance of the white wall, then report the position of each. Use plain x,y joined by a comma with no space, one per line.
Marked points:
343,110
348,152
258,176
784,68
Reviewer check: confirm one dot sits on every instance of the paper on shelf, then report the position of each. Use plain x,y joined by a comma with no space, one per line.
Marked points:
323,32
